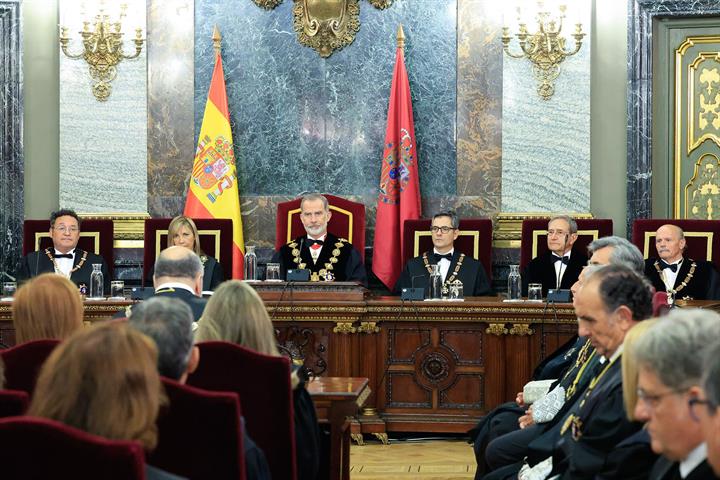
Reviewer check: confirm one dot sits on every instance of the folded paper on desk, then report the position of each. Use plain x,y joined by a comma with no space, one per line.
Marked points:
536,389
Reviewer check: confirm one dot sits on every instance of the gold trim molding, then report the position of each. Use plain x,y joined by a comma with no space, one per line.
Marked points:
345,328
368,327
521,329
508,226
497,329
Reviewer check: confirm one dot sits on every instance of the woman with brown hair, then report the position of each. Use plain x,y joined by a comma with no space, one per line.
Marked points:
47,306
236,313
183,232
104,380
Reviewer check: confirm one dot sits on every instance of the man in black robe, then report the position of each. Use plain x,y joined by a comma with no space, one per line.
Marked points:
327,257
670,360
64,258
683,278
453,264
561,265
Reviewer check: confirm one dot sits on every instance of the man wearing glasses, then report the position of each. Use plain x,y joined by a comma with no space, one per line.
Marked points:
64,258
454,265
560,266
704,406
670,360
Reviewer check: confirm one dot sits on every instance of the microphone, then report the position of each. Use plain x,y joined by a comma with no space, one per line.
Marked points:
413,293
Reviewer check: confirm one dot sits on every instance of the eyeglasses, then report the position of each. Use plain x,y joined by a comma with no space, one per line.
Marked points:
652,401
693,402
63,228
435,229
551,233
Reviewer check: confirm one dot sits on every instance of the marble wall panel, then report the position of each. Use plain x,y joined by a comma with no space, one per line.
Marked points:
171,131
546,143
11,136
479,104
103,145
305,123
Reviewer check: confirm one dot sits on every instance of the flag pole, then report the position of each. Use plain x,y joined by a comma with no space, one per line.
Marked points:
217,39
400,37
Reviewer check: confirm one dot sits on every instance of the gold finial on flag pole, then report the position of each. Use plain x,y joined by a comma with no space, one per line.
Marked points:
216,38
400,37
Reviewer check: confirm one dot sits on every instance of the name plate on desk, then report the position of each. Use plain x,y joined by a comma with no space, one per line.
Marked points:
310,291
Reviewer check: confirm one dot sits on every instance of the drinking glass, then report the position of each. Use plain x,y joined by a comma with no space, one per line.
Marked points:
272,272
117,289
535,292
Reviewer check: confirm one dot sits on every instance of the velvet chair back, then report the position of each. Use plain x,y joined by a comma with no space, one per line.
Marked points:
474,240
96,236
263,384
347,221
13,403
533,238
216,240
199,434
702,237
23,363
37,448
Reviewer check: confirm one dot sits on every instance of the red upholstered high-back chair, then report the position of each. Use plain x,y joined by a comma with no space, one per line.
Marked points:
702,237
533,237
35,448
199,434
23,363
13,403
96,236
263,383
475,239
347,221
216,240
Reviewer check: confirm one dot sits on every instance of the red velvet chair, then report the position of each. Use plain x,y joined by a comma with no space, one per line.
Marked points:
13,403
475,239
96,236
199,434
23,363
347,221
533,238
216,239
702,237
37,448
263,383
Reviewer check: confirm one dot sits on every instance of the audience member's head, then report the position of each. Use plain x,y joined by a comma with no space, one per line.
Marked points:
168,321
183,232
562,234
178,265
670,361
236,313
47,306
614,250
704,406
102,380
64,230
611,301
670,243
630,367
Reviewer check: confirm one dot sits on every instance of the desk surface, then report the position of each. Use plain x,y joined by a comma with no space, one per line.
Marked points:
337,388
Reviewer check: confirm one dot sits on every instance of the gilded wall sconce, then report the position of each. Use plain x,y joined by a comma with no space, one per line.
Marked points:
545,48
325,25
102,49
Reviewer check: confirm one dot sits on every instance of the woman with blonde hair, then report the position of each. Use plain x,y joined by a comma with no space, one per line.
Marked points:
183,232
236,313
46,306
104,380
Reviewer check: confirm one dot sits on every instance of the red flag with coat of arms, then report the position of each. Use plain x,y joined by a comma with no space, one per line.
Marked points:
213,191
399,197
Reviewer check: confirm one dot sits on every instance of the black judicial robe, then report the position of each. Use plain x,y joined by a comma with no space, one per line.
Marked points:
213,274
338,260
471,274
196,304
541,269
665,469
39,262
703,284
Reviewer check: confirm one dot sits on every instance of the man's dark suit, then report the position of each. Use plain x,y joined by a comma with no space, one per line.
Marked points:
703,285
471,274
38,262
541,269
346,265
665,469
196,304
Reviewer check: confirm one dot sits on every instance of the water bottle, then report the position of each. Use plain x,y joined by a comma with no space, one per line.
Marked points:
514,283
96,282
250,263
435,286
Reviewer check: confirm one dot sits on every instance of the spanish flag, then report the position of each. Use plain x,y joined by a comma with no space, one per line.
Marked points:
213,191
